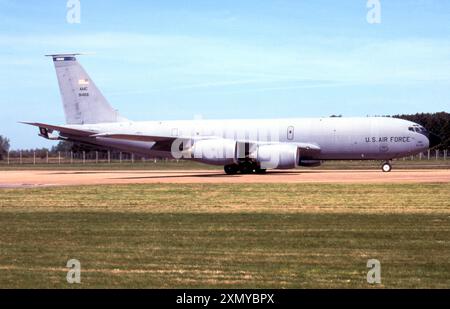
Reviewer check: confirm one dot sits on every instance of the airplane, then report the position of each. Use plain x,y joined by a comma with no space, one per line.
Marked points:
240,145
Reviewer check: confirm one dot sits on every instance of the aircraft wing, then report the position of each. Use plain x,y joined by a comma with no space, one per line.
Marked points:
163,141
154,138
137,137
308,146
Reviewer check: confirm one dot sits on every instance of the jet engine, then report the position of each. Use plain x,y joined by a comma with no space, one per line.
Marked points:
279,156
214,151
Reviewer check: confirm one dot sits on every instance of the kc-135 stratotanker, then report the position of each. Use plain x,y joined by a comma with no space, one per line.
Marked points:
240,145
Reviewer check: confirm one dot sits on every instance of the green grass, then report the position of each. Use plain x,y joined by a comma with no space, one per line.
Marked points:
201,235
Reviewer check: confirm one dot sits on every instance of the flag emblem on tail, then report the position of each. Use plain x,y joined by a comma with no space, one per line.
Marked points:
83,81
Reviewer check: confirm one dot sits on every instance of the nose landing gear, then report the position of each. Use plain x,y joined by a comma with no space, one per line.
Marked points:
386,167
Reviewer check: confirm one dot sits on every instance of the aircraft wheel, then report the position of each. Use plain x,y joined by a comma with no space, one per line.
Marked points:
246,168
386,167
231,169
259,170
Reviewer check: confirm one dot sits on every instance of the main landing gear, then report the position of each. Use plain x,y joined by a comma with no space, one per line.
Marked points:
386,167
244,168
231,169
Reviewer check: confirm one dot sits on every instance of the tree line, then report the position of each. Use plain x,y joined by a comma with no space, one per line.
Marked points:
437,123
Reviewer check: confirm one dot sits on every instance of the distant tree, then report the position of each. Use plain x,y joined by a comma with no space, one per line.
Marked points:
4,146
62,146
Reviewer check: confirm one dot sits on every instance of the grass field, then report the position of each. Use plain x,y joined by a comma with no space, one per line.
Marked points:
200,235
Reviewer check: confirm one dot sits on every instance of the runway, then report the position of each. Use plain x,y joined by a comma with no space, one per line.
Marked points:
34,178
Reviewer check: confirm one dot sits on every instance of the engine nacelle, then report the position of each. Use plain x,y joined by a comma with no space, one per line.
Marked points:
278,156
214,151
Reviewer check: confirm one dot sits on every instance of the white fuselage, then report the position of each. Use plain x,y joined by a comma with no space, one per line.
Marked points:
366,138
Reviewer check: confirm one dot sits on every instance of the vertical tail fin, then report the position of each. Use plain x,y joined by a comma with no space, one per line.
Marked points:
83,102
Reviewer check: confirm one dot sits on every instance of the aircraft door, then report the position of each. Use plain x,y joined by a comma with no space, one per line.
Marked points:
290,133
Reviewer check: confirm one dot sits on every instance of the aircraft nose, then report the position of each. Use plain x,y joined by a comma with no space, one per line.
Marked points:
434,140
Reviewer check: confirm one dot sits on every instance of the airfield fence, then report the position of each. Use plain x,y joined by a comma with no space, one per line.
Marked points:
109,157
70,157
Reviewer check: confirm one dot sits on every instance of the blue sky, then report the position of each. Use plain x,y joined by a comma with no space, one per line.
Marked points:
227,59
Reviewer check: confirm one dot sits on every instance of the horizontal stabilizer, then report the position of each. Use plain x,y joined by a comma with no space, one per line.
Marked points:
61,129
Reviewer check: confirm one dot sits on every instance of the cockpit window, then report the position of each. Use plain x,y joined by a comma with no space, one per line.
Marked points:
418,129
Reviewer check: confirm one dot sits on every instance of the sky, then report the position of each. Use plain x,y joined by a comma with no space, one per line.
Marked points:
179,59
